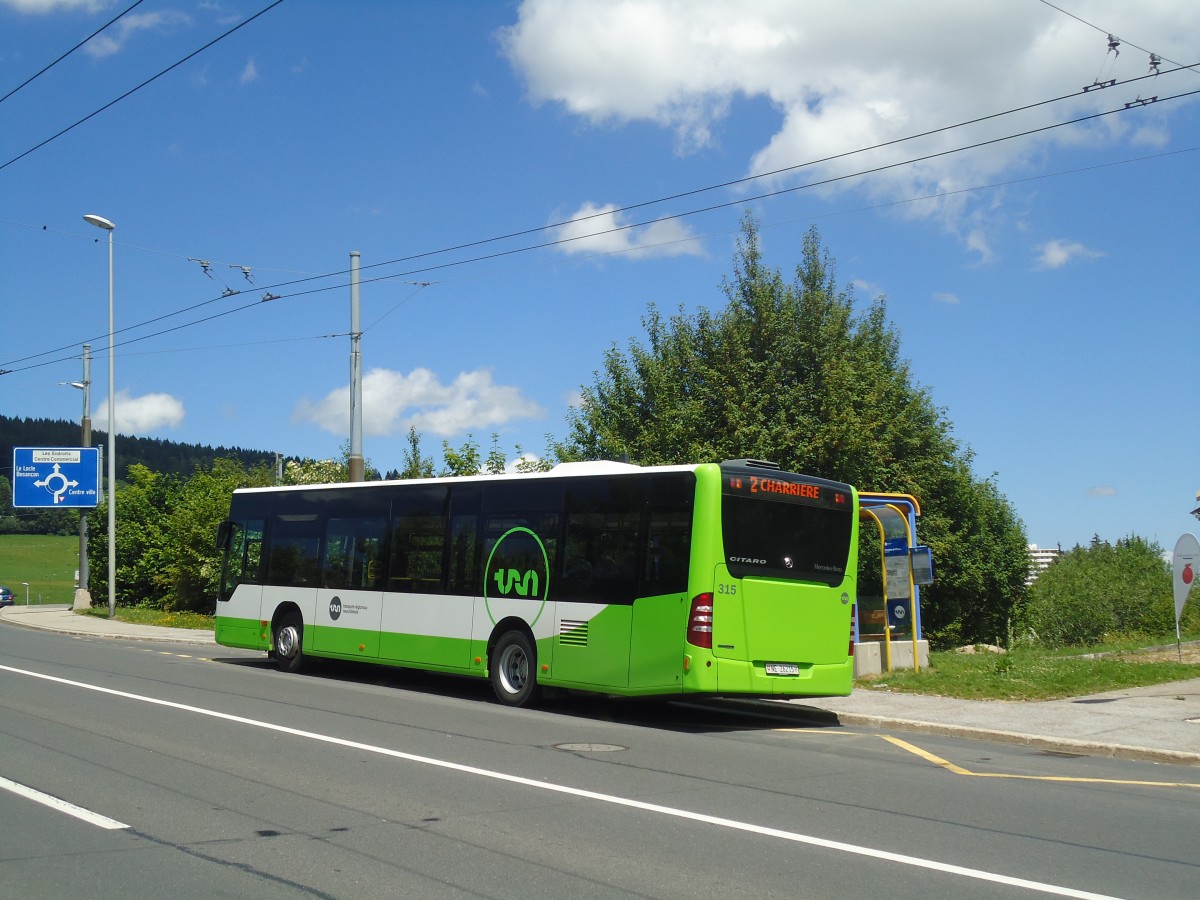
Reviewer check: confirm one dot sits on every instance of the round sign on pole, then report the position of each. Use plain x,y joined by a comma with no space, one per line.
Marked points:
1185,568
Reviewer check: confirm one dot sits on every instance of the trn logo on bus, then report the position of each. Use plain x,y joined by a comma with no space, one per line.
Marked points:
518,569
507,579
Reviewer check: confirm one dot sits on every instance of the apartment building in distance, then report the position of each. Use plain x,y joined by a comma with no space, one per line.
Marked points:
1039,559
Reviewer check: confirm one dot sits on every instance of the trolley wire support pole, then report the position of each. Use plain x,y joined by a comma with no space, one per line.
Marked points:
83,597
356,457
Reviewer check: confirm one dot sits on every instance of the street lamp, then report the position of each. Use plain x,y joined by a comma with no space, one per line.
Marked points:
101,222
25,584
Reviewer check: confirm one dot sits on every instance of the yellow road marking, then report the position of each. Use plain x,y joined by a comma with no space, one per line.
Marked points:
959,770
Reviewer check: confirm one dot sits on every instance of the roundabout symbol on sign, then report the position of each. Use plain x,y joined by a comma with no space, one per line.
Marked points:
63,483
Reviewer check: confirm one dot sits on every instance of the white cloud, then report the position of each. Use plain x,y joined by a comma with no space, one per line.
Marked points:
141,415
840,86
1101,490
112,40
39,7
596,229
948,299
249,73
392,401
1057,253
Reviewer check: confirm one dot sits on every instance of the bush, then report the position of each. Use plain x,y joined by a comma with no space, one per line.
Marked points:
1101,591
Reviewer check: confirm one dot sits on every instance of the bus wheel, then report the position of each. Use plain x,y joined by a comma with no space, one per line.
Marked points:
513,670
289,640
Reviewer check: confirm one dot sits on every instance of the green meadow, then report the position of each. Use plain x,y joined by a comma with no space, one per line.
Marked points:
47,562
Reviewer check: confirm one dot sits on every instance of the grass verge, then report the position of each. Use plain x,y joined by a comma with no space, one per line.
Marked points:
139,615
1026,674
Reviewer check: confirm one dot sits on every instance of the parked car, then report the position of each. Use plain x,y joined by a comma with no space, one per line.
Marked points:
6,597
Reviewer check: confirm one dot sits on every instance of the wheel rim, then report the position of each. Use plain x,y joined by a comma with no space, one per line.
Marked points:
286,642
514,669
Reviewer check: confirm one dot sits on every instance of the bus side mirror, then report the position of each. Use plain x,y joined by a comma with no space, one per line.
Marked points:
224,535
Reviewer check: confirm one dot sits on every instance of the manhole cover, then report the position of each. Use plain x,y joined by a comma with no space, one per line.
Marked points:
590,748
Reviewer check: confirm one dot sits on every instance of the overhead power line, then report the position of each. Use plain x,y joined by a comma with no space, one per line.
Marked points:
1109,32
134,90
47,68
560,241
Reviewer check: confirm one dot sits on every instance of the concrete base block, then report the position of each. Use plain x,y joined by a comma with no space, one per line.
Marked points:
867,659
870,657
83,599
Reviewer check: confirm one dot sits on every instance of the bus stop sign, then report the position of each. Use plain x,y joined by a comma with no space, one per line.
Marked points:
56,477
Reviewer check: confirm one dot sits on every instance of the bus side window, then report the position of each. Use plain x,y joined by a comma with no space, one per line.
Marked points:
352,546
669,535
243,555
295,551
418,545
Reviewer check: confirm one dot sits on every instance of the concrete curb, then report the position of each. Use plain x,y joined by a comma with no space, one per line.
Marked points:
1034,741
27,619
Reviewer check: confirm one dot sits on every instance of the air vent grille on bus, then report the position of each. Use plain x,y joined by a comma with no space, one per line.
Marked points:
573,632
752,463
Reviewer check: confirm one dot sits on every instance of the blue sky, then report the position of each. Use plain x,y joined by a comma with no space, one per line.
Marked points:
1045,287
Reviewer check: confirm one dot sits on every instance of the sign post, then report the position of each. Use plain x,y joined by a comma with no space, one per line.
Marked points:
1185,566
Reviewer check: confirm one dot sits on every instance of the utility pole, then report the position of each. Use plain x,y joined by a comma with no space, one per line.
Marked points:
83,597
356,457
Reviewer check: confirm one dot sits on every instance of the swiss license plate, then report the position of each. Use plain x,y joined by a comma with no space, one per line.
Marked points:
783,669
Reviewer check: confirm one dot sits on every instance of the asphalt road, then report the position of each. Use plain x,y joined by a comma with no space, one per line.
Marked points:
219,776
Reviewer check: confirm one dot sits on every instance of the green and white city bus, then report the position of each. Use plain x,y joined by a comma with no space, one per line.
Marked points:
718,579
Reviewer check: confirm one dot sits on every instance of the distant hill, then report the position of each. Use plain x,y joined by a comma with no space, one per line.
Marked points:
156,454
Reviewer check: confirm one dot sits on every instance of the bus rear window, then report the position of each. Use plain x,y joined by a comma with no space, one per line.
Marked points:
774,539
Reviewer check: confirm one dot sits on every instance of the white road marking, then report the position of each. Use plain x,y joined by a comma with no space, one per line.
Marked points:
61,805
719,821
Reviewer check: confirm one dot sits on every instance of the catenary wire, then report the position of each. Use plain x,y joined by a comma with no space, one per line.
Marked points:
627,208
134,90
47,68
543,245
725,184
1110,33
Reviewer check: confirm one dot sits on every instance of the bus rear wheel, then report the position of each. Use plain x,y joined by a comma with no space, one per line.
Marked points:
513,670
289,643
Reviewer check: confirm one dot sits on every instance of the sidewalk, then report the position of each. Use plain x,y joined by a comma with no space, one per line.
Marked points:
60,618
1160,723
1157,724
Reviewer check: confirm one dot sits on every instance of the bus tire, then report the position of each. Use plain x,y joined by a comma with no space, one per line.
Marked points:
513,669
289,642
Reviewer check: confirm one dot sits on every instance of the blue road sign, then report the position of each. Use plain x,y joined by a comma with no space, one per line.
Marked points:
56,477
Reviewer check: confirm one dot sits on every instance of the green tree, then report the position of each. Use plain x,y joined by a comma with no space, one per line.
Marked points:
790,371
463,461
415,465
198,506
143,505
166,535
1103,590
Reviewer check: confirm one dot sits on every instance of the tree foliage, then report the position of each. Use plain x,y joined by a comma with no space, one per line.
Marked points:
1102,591
165,538
792,372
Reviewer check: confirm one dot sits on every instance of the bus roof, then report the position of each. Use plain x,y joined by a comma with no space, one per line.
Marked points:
572,469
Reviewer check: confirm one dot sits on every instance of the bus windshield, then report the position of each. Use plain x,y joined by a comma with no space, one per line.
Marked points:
779,526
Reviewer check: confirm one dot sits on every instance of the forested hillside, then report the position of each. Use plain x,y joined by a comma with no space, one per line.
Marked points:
158,455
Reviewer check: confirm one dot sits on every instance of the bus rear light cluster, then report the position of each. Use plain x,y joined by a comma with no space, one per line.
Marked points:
853,622
700,621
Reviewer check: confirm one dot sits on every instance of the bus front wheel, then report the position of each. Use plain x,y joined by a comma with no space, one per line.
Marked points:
289,642
513,669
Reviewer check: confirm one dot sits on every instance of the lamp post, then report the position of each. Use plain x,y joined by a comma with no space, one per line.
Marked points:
25,584
83,599
101,222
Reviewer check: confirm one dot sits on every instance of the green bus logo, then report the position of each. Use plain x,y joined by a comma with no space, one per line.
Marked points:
508,579
518,568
